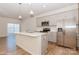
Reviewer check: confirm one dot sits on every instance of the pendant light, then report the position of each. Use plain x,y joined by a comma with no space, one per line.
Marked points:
31,11
20,16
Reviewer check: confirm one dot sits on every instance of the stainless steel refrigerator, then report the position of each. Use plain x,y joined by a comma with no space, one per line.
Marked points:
67,36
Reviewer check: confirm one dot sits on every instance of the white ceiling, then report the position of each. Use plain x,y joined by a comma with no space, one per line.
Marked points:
13,10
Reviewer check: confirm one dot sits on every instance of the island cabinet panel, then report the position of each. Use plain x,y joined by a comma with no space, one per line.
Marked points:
35,45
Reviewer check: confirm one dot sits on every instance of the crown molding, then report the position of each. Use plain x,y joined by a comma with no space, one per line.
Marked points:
68,8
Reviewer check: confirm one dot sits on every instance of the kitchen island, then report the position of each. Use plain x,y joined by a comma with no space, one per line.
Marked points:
34,43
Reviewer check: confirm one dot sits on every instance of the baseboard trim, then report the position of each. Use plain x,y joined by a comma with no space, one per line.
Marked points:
23,50
4,37
52,42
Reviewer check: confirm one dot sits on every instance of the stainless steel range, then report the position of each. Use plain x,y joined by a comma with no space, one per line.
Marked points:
45,30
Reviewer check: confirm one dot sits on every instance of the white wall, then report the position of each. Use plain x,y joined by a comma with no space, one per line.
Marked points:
3,25
28,24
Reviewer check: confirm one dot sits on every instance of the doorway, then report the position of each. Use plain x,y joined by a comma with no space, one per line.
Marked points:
11,40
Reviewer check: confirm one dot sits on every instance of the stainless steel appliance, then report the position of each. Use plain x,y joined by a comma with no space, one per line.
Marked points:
70,33
45,23
67,35
60,37
45,30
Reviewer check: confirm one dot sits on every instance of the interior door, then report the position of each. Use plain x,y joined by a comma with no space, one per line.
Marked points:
70,33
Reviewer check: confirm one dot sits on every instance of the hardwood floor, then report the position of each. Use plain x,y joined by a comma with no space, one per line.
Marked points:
53,49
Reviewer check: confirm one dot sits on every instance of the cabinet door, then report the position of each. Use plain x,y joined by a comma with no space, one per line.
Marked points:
60,40
44,44
52,36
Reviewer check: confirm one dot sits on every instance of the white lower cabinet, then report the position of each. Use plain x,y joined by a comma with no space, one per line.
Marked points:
52,36
44,44
35,45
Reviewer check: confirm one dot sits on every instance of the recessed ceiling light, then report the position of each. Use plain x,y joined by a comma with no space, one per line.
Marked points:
44,6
